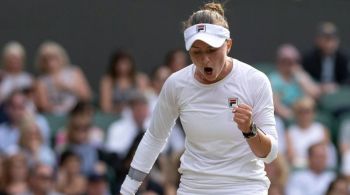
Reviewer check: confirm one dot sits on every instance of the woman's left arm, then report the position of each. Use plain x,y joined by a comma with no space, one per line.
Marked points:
261,114
260,143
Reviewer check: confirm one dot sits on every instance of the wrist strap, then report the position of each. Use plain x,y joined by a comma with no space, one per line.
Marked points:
130,186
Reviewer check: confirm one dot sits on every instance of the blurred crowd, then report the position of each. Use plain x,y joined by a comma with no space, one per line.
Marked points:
80,156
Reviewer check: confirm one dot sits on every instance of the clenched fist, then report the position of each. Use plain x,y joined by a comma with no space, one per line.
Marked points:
243,117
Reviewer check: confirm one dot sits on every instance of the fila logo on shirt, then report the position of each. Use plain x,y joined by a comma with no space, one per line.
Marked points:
201,28
232,102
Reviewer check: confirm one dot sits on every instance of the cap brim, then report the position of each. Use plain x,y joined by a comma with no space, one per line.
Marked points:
212,40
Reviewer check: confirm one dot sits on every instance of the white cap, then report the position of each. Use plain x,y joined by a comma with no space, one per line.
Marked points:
213,35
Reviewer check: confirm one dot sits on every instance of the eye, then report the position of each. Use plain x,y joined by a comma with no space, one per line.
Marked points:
195,52
212,50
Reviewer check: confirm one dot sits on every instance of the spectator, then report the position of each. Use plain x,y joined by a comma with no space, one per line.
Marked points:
176,59
14,77
2,174
326,63
339,187
97,185
143,84
314,180
78,137
123,132
118,82
344,146
41,180
306,132
281,133
290,82
80,119
16,174
70,181
32,144
16,107
59,85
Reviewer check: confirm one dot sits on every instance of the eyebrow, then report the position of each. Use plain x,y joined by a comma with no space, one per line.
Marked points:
209,47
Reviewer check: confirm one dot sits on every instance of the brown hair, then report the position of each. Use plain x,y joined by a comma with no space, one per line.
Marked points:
212,13
10,162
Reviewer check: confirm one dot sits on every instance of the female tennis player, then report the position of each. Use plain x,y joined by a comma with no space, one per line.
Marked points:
226,110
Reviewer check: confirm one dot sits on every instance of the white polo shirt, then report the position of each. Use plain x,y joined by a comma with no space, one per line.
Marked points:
217,158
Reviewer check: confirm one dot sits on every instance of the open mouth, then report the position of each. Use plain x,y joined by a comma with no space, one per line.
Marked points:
208,70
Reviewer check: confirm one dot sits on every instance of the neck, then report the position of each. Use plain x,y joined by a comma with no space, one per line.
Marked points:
305,125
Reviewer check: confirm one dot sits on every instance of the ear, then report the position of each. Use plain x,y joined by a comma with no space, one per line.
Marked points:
229,45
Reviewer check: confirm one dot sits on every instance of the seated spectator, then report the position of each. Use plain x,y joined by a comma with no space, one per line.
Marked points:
16,107
315,179
339,187
2,174
70,181
118,82
32,145
97,184
175,60
281,134
344,146
13,75
122,133
80,119
290,82
326,63
41,180
143,84
78,138
60,85
306,132
16,174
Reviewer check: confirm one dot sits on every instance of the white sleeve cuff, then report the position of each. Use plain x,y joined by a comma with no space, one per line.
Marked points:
273,152
129,186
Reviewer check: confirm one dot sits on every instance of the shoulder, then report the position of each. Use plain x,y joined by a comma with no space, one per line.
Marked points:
253,75
342,56
106,79
120,124
73,69
183,73
180,78
301,176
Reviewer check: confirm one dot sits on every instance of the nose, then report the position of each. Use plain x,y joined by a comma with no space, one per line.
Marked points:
204,58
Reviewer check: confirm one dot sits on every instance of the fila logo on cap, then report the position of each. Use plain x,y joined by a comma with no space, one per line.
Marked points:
232,102
200,28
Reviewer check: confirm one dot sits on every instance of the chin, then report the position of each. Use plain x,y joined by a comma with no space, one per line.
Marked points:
211,78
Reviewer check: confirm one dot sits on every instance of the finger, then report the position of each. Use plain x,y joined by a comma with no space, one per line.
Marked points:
245,106
243,111
241,116
238,121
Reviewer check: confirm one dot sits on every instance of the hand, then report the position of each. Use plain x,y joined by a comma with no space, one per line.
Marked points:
243,117
296,68
60,84
328,87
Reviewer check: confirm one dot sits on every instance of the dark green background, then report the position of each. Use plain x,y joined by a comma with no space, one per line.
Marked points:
91,29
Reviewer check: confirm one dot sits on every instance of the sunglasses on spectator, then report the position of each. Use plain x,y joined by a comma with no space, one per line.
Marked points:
305,111
81,127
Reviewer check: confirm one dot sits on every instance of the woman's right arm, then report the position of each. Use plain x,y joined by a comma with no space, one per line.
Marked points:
154,140
106,94
41,99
